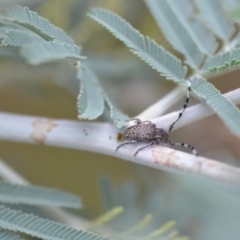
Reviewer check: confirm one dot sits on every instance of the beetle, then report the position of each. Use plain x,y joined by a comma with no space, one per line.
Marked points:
146,131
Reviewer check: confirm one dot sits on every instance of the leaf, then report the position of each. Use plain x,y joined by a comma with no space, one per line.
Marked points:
90,102
145,48
117,116
39,227
230,4
234,13
203,38
50,51
92,97
17,38
3,30
215,17
223,61
10,193
175,31
31,20
109,195
5,235
225,109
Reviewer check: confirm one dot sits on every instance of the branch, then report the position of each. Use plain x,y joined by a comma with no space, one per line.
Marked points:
101,138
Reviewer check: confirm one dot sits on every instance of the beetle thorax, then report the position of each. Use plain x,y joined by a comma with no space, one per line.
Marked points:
161,135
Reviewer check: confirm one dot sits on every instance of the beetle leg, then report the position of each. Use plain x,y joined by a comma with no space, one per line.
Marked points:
131,142
138,121
150,144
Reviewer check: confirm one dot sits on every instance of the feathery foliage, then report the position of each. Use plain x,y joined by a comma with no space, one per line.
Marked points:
193,40
33,40
6,235
41,42
10,193
31,20
216,19
117,116
91,99
18,38
90,102
44,52
223,61
188,37
175,31
148,50
39,227
3,31
203,38
218,103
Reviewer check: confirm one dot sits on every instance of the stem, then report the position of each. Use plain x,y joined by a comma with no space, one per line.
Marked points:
101,137
194,113
158,108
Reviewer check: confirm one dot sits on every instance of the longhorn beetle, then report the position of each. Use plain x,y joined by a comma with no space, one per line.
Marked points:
147,131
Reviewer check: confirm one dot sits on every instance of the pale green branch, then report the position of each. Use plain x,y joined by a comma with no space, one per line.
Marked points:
101,138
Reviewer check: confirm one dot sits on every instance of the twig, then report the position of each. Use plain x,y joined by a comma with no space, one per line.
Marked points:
194,113
158,108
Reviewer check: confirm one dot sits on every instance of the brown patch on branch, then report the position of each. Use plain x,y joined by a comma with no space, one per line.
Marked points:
41,128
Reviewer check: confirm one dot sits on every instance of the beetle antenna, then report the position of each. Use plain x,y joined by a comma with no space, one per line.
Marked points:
189,82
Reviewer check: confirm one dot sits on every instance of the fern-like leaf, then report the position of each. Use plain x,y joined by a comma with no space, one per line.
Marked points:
17,38
31,20
90,102
223,61
226,110
215,17
39,227
204,39
6,235
174,30
92,97
3,30
33,195
148,50
50,51
117,116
